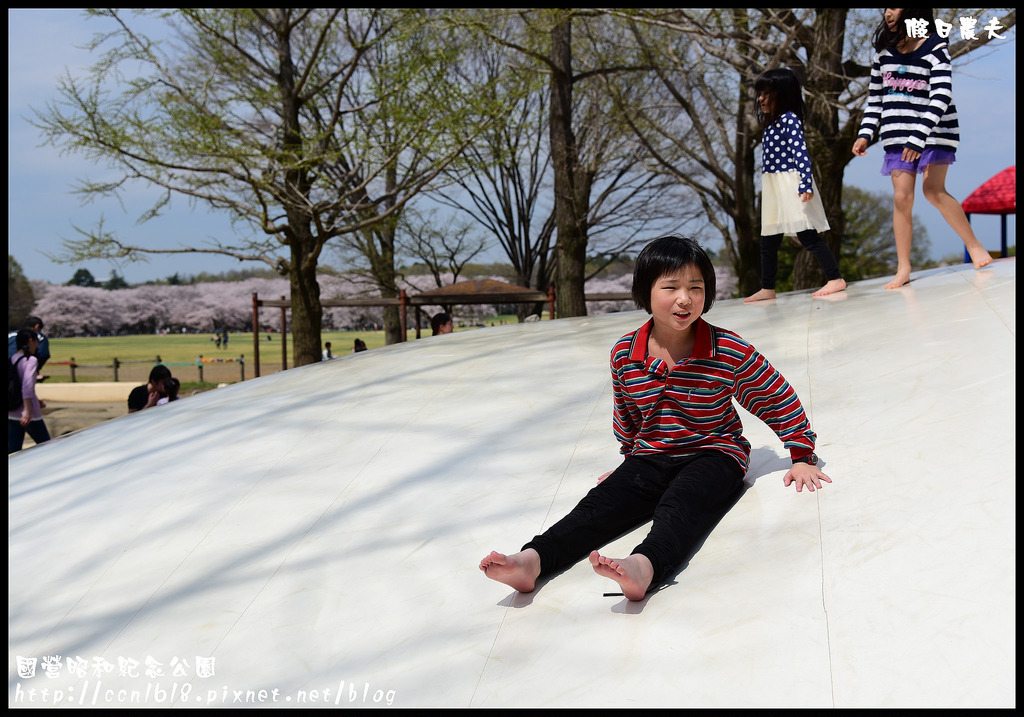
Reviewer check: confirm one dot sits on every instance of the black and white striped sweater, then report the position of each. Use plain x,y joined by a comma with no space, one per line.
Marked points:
910,100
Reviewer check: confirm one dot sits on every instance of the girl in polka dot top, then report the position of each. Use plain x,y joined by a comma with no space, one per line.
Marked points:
789,197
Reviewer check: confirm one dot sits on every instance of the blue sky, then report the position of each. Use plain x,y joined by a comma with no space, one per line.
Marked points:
43,212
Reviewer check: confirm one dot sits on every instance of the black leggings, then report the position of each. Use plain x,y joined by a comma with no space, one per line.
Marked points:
16,434
811,240
684,495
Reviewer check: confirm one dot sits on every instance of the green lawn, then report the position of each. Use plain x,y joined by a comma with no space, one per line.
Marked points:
94,356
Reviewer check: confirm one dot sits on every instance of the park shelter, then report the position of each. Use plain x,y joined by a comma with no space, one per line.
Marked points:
996,196
474,291
480,291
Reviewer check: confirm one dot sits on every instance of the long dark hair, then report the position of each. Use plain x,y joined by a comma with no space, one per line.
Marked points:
784,88
885,39
22,339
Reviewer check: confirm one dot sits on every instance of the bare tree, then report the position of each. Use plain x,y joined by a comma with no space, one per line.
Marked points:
445,246
562,134
504,185
303,124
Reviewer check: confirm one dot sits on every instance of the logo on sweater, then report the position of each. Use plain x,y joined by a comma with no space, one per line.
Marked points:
902,85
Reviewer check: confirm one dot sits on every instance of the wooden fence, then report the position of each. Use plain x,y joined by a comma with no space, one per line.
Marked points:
213,370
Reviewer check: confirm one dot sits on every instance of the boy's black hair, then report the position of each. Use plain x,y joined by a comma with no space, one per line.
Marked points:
783,86
159,373
884,38
666,255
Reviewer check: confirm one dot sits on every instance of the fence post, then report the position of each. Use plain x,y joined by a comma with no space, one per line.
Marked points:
256,331
241,364
284,340
72,369
116,364
403,303
199,365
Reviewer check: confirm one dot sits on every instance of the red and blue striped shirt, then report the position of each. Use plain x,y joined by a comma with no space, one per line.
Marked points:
688,407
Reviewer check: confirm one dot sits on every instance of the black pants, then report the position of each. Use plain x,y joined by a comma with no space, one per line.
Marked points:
811,240
16,434
684,495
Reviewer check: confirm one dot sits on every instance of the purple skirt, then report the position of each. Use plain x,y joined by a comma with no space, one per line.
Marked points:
932,155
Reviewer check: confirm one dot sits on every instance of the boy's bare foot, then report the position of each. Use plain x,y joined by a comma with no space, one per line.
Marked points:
518,571
762,295
902,278
980,257
633,574
831,287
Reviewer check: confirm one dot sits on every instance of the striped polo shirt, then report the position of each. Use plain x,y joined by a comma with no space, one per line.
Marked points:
910,99
688,407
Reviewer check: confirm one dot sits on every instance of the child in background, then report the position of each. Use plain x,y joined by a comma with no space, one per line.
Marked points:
910,107
171,386
789,197
28,417
673,384
441,323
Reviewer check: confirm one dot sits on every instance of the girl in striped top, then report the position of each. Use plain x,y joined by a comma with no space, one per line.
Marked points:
684,455
911,109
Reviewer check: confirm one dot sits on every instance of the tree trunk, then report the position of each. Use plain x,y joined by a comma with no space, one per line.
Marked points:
747,217
381,253
571,189
829,148
747,214
307,311
393,325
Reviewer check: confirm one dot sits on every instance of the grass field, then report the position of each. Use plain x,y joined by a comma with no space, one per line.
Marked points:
94,356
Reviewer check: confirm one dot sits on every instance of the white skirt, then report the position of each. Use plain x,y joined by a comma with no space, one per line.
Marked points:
782,212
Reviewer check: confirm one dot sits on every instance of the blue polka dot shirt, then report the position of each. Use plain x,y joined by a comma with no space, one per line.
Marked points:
784,149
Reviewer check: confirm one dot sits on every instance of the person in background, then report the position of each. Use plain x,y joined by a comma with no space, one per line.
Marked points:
911,110
358,345
149,394
790,203
172,386
28,417
33,323
441,323
326,353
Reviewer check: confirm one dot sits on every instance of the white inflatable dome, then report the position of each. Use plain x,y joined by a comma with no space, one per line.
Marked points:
312,538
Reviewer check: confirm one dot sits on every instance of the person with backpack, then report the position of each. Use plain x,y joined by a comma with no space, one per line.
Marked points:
42,353
24,409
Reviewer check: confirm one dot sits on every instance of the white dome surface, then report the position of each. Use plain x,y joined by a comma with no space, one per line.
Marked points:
317,532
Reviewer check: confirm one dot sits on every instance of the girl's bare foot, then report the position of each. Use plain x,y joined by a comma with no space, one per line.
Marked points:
633,574
518,571
831,287
902,278
762,295
980,256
